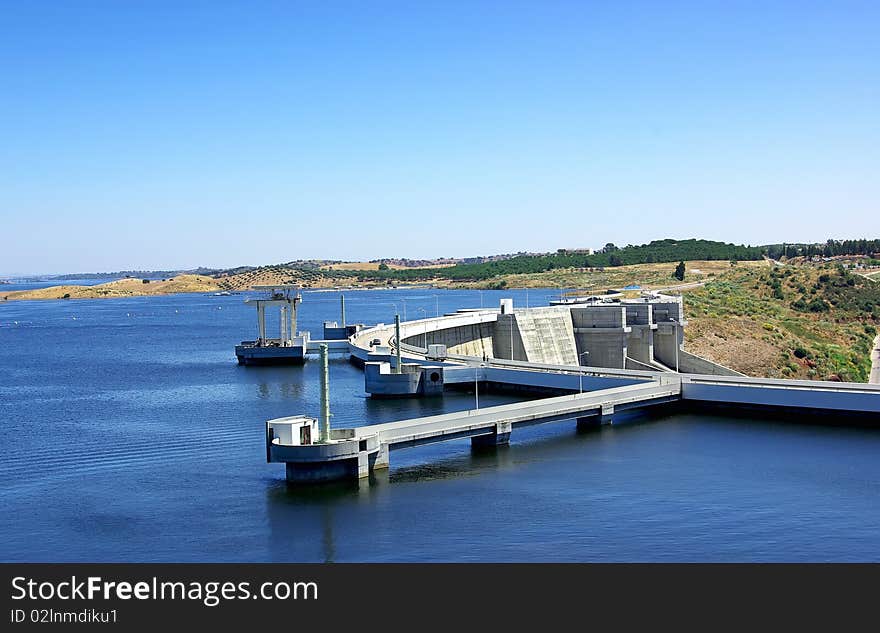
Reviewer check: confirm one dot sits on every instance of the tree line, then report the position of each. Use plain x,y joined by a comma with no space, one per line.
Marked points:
831,248
657,251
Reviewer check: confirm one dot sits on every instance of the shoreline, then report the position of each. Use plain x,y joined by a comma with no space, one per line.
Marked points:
111,291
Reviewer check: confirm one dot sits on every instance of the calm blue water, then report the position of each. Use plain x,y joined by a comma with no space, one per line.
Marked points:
129,433
17,284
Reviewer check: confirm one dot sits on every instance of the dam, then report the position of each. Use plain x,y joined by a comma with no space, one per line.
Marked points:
582,363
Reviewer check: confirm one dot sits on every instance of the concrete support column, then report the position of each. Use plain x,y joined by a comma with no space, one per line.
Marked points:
605,416
383,459
363,465
261,320
498,437
283,326
292,317
324,420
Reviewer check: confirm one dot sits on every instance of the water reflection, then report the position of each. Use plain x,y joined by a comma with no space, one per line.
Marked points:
303,520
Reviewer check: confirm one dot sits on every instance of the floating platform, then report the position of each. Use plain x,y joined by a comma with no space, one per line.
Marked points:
287,349
250,353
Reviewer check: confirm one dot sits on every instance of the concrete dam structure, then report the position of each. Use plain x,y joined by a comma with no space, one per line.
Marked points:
586,362
645,333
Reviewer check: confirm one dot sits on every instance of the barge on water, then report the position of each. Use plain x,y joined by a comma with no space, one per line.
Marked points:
287,349
291,347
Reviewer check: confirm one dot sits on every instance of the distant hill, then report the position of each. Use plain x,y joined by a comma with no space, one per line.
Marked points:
658,251
316,272
120,288
135,274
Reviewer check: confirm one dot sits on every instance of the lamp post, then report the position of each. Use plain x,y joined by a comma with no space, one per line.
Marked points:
477,385
581,373
425,313
476,390
511,336
397,342
436,305
403,301
394,305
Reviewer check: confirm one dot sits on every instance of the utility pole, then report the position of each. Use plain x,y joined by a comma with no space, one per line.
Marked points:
342,307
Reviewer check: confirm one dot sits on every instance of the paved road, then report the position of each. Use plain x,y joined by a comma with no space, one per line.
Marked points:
875,360
691,284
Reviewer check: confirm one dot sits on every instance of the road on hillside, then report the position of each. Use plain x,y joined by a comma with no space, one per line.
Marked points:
687,286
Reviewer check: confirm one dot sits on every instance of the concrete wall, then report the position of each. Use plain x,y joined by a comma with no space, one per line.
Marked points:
380,379
505,336
540,335
569,382
610,316
668,311
667,337
790,394
640,343
601,331
466,334
639,314
692,364
470,340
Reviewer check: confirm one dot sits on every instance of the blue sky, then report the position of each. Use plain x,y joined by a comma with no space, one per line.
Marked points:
179,134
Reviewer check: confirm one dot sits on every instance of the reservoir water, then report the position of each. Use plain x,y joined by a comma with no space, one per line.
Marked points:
129,433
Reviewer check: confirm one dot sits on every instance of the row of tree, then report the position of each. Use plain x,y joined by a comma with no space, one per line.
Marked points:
658,251
831,248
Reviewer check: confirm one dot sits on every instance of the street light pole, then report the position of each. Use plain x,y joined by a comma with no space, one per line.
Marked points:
476,388
397,341
437,305
425,324
581,373
511,336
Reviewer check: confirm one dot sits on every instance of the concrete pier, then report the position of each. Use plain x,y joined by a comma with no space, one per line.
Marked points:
355,452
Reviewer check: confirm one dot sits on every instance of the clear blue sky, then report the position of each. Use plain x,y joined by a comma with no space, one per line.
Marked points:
178,134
